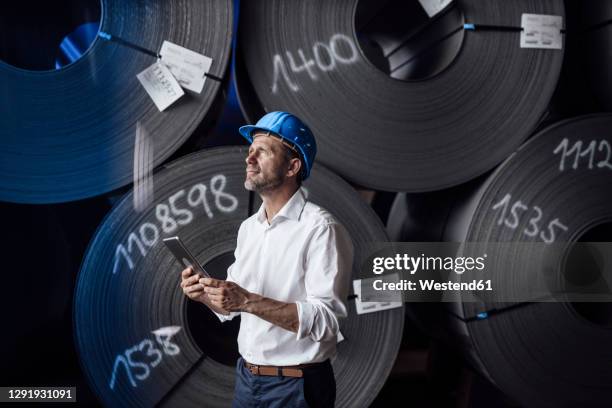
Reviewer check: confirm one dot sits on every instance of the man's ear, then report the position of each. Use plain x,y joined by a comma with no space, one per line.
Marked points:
295,167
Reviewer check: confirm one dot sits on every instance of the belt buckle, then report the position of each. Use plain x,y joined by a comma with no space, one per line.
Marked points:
254,369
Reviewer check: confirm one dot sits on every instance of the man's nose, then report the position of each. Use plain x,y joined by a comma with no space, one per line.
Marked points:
250,158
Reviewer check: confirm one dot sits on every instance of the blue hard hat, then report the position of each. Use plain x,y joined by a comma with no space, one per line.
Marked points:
290,128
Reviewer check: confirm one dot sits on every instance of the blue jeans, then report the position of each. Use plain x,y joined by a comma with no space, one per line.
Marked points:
317,388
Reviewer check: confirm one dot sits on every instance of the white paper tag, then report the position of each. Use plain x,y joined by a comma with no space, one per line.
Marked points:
541,31
340,337
188,67
370,307
161,86
433,7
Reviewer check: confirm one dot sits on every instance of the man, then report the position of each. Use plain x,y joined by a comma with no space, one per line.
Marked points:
290,279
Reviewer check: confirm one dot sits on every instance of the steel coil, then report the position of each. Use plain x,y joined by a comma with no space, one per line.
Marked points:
383,133
70,133
141,342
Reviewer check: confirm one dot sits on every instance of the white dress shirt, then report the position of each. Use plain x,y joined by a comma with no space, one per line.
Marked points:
304,256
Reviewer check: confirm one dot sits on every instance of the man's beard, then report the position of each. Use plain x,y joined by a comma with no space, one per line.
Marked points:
261,183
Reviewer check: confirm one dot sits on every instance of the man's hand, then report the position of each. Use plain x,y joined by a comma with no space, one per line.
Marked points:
194,290
225,295
191,286
232,297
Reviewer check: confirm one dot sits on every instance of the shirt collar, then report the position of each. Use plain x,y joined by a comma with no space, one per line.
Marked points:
291,210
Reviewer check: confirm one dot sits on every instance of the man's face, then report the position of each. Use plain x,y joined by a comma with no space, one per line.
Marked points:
266,164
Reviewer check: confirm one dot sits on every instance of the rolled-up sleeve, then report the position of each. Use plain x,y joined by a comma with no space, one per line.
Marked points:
329,260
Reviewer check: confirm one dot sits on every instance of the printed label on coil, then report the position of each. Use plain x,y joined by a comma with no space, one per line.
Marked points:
541,31
363,307
187,66
433,7
161,86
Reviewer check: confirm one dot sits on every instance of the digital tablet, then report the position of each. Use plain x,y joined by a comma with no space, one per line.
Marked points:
182,254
